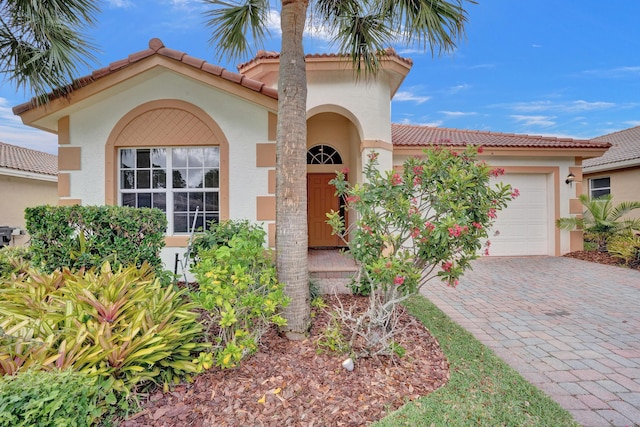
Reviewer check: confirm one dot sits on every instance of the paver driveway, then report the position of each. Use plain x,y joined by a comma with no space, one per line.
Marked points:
570,327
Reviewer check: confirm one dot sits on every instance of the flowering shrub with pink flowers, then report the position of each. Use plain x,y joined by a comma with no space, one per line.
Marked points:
427,219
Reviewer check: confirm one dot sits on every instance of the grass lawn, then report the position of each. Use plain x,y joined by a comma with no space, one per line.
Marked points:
483,390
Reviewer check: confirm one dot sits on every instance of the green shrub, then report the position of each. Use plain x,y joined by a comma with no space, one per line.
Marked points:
625,247
602,220
221,233
87,236
123,325
57,398
332,338
239,290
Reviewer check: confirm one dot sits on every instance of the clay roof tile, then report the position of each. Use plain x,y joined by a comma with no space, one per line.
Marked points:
625,148
414,136
156,47
25,159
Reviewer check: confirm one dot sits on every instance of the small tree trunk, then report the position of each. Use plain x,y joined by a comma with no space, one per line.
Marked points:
291,171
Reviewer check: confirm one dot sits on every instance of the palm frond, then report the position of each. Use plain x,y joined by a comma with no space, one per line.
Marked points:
623,208
42,44
365,28
363,38
570,223
431,24
231,22
629,225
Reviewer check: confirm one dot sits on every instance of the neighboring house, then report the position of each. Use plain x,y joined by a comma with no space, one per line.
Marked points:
27,178
616,172
163,129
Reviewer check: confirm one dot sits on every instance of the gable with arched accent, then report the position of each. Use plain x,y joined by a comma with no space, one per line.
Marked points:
171,126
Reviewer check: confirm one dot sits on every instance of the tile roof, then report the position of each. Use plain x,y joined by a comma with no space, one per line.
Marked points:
25,159
412,135
156,47
625,148
263,54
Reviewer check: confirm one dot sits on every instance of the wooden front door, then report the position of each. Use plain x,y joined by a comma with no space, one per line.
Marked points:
321,199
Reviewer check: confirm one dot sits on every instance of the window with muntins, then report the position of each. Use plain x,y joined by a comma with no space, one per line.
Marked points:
323,155
177,180
600,187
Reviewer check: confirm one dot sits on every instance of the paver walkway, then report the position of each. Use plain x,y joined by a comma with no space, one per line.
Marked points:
570,327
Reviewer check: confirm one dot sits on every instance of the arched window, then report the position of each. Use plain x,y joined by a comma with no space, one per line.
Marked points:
323,155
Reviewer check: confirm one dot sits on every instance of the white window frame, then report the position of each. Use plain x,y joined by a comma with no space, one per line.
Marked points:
593,189
169,190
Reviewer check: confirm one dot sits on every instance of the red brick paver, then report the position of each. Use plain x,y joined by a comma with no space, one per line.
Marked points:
570,327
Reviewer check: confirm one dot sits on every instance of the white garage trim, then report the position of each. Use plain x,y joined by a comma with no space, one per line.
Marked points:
545,201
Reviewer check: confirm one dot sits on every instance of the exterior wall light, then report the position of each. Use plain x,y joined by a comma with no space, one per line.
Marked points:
570,178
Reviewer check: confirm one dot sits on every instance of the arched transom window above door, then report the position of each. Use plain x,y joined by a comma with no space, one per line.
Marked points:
322,154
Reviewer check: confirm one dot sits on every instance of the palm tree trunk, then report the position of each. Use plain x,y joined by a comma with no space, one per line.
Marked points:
291,167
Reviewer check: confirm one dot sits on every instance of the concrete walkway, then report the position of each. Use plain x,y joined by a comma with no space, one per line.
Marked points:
570,327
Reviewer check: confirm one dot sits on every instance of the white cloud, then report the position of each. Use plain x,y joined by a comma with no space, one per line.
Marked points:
408,121
482,66
542,121
458,88
458,113
532,106
563,107
13,132
615,73
120,4
581,105
273,22
404,96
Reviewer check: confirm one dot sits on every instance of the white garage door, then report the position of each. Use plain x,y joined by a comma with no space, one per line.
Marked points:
524,227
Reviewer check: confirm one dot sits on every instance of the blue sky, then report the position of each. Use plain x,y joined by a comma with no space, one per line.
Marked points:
568,68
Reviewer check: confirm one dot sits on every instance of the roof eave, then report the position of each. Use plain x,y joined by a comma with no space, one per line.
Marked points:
267,68
18,173
625,164
58,107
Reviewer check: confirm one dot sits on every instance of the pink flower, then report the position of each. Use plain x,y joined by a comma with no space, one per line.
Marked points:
446,266
352,199
456,230
417,181
480,149
488,243
486,252
399,280
372,156
345,170
418,170
429,226
515,193
497,172
415,232
451,282
396,179
492,213
477,225
367,229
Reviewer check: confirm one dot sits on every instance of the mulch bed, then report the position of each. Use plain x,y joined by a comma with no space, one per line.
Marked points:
595,256
287,383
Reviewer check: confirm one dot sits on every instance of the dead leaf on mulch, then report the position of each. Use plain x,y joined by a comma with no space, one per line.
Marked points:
287,383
